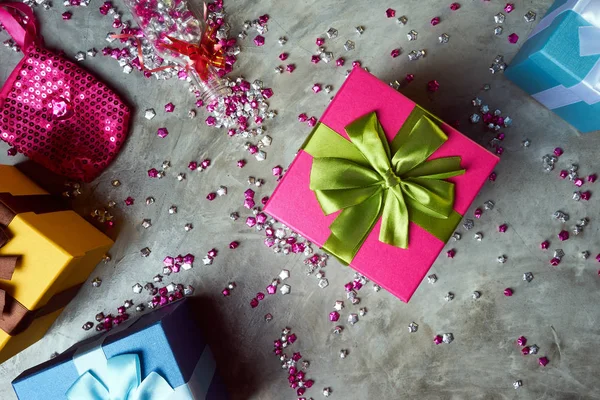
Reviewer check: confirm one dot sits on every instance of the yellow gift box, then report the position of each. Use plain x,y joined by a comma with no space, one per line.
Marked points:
55,252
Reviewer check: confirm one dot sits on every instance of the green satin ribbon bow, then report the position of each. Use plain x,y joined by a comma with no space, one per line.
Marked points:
367,179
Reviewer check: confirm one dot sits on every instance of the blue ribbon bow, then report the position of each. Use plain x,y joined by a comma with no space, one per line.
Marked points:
120,379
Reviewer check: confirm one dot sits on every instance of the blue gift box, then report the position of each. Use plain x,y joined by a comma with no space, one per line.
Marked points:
559,64
168,344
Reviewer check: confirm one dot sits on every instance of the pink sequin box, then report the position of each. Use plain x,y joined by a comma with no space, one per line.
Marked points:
400,271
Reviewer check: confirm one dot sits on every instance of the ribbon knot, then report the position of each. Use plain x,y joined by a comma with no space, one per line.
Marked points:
367,180
390,179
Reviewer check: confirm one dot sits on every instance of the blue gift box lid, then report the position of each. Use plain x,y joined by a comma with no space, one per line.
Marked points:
555,51
167,341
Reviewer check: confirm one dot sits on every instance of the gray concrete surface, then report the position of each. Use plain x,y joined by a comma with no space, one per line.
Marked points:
558,310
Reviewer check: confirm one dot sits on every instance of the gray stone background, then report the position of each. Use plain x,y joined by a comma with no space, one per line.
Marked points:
557,310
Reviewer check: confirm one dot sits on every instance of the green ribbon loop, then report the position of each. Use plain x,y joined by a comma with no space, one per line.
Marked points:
366,181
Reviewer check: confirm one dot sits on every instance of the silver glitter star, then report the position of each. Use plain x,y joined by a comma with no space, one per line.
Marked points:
501,259
268,317
402,20
188,290
337,330
285,289
489,205
360,29
474,118
517,384
339,305
349,45
456,236
180,176
352,319
447,338
376,287
261,155
476,295
444,38
145,252
222,191
362,312
468,224
207,260
528,276
323,283
585,254
534,349
140,307
282,40
192,114
478,236
149,114
284,274
449,296
157,278
499,18
530,16
188,227
413,327
412,35
498,30
87,326
96,282
137,288
326,392
432,278
173,210
149,200
343,353
559,253
146,223
332,33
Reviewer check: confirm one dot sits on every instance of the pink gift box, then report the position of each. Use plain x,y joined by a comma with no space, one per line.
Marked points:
400,271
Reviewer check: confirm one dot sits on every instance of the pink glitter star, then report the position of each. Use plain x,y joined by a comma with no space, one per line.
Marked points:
435,21
513,38
259,40
433,86
390,13
395,53
129,201
162,133
66,15
509,7
169,107
454,6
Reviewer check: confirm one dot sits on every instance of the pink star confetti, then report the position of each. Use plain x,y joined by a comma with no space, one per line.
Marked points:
586,195
555,261
563,174
513,38
543,361
477,213
592,178
129,201
509,7
433,86
290,68
435,21
283,56
563,235
66,15
334,316
241,163
193,165
409,78
316,88
13,152
502,228
259,40
558,152
162,133
390,13
492,177
340,62
395,53
312,121
522,341
320,41
169,107
451,253
153,173
438,339
315,59
454,6
545,245
508,292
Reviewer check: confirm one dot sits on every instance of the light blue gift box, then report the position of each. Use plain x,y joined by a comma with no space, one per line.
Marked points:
559,64
160,356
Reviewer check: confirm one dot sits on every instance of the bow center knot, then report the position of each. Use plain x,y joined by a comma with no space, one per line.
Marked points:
390,179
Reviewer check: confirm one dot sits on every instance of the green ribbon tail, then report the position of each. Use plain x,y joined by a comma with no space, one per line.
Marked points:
350,229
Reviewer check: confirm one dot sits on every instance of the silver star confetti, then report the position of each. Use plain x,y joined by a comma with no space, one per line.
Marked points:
323,283
284,274
402,20
501,259
188,290
444,38
96,282
447,338
360,29
222,191
585,254
145,252
449,296
413,327
149,114
456,236
533,349
147,223
173,210
339,305
349,45
188,227
140,307
149,200
343,353
326,392
498,30
285,289
432,278
478,236
332,33
352,319
474,118
517,384
376,287
362,312
499,18
476,295
528,276
412,35
530,16
282,40
207,260
468,224
337,330
137,288
80,56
